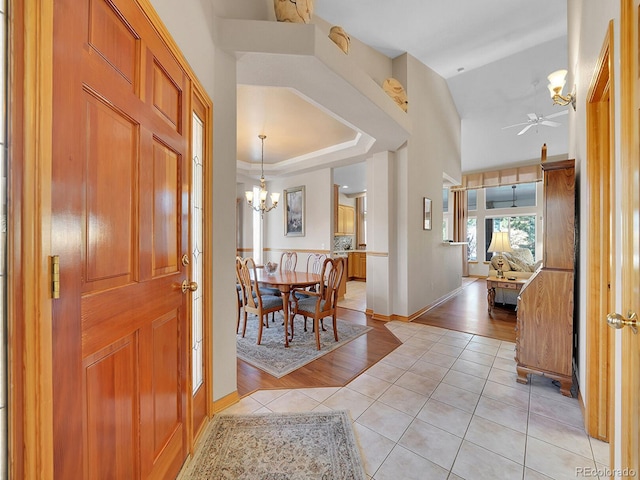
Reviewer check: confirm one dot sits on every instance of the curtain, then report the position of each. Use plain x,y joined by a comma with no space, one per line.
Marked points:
460,225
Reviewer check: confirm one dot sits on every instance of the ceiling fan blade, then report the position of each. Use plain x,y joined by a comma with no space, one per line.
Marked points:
525,129
516,125
557,114
550,124
532,116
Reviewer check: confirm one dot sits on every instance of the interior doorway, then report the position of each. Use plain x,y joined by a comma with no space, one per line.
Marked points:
600,205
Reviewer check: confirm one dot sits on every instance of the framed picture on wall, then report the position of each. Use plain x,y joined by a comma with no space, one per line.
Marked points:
427,213
294,212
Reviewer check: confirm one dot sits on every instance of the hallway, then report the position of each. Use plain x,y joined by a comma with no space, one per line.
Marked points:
445,405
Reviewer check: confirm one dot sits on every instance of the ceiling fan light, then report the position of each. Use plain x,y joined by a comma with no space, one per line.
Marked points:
557,80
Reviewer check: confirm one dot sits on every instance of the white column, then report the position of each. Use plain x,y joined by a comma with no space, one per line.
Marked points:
380,202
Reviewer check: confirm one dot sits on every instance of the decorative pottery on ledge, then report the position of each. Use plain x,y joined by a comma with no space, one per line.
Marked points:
293,11
340,38
396,91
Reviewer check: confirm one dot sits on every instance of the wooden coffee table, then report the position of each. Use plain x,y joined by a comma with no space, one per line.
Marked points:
495,282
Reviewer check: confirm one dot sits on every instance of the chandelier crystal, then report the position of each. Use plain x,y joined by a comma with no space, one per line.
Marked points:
262,205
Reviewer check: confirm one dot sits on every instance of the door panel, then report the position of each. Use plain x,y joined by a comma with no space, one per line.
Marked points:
110,230
120,201
108,377
166,210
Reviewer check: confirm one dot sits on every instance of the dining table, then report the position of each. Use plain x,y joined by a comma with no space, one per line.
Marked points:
285,282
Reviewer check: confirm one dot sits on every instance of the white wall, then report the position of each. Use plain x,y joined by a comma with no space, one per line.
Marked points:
433,149
318,216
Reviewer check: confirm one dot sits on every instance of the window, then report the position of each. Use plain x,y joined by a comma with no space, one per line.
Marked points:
472,200
472,244
511,196
257,230
522,232
447,216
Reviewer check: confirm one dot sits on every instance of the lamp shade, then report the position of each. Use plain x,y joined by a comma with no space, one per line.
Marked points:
500,243
556,81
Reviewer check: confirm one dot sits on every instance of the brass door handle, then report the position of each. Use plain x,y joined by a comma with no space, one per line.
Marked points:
615,320
187,285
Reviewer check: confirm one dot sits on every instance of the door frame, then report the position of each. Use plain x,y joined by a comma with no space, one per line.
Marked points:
201,98
29,305
629,434
29,302
601,246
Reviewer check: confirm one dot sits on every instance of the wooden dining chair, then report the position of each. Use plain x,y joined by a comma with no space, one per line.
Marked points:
254,300
288,263
315,261
323,303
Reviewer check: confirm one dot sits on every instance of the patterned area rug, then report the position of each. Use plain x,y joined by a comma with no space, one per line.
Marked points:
299,446
271,355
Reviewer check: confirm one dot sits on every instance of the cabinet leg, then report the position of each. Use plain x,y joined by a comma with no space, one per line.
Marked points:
491,298
523,376
565,387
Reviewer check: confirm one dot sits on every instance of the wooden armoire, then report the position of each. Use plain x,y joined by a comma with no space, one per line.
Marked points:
544,332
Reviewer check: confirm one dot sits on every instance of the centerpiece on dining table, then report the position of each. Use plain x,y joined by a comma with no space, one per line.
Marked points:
271,267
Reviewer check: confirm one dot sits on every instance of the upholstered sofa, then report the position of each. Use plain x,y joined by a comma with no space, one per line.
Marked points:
520,264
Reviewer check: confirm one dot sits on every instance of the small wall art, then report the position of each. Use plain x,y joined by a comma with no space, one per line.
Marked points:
427,213
294,212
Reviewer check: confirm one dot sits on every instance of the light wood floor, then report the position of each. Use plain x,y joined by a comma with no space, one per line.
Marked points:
465,312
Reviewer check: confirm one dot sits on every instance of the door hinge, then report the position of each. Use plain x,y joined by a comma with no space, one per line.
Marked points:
55,276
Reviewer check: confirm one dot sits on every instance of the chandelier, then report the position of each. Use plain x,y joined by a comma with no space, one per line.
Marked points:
262,206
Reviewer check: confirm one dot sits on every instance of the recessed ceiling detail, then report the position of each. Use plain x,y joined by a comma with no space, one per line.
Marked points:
296,127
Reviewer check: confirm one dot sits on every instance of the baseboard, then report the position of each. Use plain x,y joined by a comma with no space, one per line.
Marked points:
410,318
226,401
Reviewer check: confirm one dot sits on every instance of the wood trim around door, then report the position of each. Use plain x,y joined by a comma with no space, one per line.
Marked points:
629,436
29,349
600,203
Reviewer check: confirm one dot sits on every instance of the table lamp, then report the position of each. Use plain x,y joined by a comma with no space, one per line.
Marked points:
500,244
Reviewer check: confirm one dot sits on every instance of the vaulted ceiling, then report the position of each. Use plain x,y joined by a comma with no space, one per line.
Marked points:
494,54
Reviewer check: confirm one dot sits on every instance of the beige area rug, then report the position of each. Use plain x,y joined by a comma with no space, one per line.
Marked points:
272,356
273,446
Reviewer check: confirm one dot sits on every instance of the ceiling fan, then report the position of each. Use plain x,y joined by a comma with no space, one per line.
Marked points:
535,119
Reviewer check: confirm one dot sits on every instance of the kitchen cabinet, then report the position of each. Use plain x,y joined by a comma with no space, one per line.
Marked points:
357,267
346,222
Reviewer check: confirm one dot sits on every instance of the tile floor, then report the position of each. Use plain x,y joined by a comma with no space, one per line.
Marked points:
356,296
445,405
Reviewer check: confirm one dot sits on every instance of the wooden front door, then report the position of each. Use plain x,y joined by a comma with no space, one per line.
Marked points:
629,436
120,226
